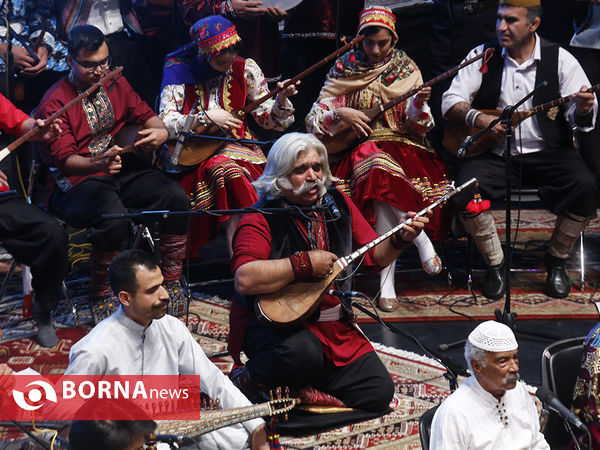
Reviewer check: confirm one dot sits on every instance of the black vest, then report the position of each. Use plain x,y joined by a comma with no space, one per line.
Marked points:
287,239
556,133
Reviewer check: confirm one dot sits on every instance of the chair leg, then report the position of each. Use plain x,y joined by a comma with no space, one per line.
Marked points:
74,312
581,262
7,278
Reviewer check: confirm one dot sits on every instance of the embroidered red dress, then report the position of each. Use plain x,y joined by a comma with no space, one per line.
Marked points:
395,164
223,181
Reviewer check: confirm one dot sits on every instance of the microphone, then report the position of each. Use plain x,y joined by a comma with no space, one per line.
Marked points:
462,150
187,126
330,204
547,397
345,293
173,439
48,438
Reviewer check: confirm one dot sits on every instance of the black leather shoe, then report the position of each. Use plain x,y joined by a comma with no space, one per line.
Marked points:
495,282
558,283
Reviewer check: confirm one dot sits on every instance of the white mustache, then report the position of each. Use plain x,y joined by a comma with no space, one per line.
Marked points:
308,185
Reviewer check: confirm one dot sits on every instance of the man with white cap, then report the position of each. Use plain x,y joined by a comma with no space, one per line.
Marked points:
491,409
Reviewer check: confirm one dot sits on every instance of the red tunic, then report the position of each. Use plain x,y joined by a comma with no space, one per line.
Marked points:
342,343
11,117
87,128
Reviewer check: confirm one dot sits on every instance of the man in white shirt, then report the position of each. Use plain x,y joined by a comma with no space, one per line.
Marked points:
140,339
491,409
542,144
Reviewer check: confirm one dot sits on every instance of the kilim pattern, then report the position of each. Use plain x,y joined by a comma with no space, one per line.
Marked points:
204,194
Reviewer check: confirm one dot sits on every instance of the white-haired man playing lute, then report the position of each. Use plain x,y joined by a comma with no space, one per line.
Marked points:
270,252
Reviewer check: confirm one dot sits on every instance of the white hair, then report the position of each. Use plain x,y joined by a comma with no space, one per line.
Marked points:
477,354
282,159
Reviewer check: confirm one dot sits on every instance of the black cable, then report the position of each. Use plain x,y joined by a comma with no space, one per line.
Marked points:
445,362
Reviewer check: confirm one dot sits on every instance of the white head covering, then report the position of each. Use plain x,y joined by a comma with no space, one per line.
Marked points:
493,336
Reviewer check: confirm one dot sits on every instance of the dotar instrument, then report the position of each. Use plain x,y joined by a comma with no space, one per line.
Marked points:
298,301
36,129
345,137
196,150
457,132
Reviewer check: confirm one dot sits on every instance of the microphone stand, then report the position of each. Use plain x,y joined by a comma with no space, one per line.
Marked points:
452,368
506,316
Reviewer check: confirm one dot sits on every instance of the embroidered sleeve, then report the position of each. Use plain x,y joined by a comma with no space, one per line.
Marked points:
419,116
270,115
322,118
171,103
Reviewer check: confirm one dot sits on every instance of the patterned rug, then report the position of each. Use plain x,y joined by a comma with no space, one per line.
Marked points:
419,382
424,298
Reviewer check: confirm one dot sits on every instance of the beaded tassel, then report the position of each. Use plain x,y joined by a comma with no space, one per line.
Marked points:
478,205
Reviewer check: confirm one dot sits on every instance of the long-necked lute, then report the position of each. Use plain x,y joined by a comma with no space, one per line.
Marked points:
346,138
213,420
196,150
36,129
456,132
298,301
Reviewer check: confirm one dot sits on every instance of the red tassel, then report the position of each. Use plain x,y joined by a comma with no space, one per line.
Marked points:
477,206
486,57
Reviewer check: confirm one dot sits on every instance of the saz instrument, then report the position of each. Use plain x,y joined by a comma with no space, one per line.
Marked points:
346,138
298,301
219,418
196,150
35,130
457,132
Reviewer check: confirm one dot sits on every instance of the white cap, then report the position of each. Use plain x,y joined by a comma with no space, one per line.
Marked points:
493,336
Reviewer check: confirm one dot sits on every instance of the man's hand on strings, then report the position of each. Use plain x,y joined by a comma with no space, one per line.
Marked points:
408,232
49,130
287,92
32,71
358,120
584,100
483,120
150,138
223,118
322,263
111,164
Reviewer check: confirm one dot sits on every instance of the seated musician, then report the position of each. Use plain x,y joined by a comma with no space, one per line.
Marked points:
30,235
491,409
209,67
393,170
149,342
82,190
271,251
544,157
